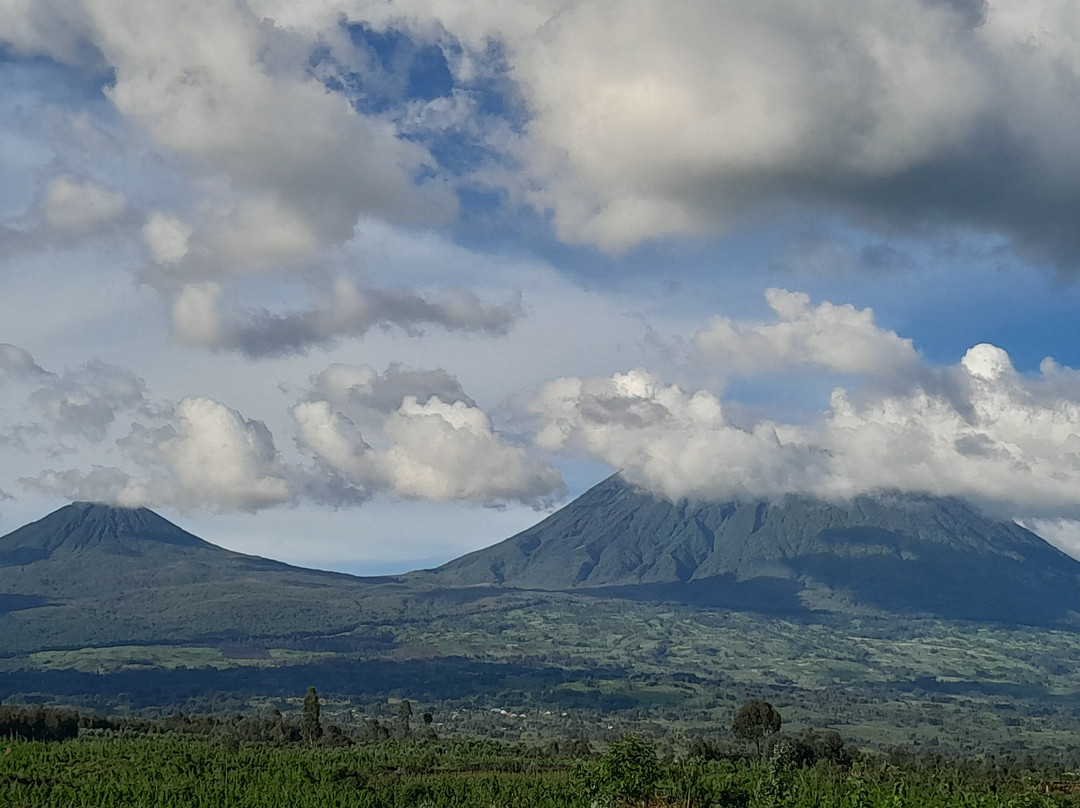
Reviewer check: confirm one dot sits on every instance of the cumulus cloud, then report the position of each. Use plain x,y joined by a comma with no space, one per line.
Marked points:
84,401
683,119
839,338
268,170
343,311
214,456
438,452
221,87
74,206
690,118
167,237
210,455
68,210
440,447
981,431
427,440
672,443
197,452
348,387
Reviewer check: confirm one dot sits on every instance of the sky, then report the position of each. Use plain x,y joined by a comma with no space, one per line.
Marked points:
367,285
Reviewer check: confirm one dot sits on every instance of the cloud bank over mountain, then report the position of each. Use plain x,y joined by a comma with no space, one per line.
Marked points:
977,429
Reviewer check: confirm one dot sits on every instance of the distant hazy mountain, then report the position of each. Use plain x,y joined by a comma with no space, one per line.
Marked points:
92,574
901,553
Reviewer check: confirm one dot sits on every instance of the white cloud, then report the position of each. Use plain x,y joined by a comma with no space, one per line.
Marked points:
644,120
195,315
983,432
167,237
82,402
80,206
209,455
66,211
218,457
217,85
839,338
203,453
673,443
87,401
435,449
268,170
341,311
652,119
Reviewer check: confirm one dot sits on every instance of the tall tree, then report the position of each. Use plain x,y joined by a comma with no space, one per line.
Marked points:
404,714
755,721
310,727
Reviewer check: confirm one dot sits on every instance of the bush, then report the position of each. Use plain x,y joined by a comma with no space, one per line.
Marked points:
628,770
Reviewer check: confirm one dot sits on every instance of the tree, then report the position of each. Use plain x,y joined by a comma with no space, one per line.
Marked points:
404,714
310,728
755,721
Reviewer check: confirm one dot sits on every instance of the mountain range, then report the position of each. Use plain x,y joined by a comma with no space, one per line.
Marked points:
91,574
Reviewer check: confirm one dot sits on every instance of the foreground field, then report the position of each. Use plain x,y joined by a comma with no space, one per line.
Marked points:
174,770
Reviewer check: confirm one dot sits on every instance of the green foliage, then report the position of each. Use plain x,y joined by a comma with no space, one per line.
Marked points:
628,770
174,769
310,725
38,723
755,721
403,716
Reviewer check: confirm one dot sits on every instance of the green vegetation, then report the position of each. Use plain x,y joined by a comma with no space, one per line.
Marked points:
756,721
547,666
310,724
170,768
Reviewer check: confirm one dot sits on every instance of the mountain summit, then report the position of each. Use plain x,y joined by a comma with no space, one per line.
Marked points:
903,553
83,526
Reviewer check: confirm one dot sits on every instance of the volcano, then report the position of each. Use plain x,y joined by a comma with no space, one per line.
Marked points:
901,553
93,574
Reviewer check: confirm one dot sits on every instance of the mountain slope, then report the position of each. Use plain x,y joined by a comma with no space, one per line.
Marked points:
84,525
895,552
91,574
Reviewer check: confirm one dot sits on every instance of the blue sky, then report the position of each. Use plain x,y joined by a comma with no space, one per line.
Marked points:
365,286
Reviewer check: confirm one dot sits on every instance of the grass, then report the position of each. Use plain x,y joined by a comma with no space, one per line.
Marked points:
171,771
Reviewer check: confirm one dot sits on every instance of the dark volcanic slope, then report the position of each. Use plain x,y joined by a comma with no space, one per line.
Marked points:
900,553
85,525
90,574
